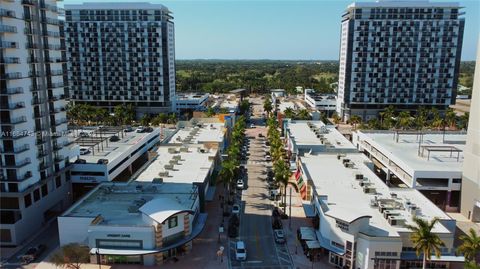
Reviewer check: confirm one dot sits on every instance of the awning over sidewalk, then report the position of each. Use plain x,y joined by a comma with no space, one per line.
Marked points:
309,210
325,243
412,256
198,226
210,193
307,233
313,244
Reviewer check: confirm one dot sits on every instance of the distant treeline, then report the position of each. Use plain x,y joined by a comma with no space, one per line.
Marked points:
262,75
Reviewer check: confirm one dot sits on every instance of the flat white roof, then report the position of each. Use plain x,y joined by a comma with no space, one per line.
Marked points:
160,209
116,6
190,96
406,149
127,144
305,136
286,104
119,204
209,132
404,3
192,165
347,200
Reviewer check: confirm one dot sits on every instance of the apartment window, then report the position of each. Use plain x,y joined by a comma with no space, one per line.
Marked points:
5,235
457,180
36,195
9,203
173,222
58,182
27,199
44,190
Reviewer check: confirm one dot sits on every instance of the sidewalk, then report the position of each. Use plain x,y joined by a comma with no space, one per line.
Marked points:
299,219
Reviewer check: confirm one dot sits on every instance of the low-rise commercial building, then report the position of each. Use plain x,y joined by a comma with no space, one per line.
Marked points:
201,133
326,103
139,223
190,102
360,222
187,164
109,154
430,162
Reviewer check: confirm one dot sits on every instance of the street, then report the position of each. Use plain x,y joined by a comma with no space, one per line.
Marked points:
255,218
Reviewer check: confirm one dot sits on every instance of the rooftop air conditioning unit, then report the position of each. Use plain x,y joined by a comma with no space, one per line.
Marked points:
133,209
172,150
359,176
396,221
173,162
177,157
157,180
393,195
183,149
168,167
163,174
374,202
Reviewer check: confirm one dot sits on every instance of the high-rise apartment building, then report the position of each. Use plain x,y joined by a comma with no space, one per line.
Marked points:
400,53
121,53
470,204
33,147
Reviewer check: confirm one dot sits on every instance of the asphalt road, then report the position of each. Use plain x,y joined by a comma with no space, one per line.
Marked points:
255,219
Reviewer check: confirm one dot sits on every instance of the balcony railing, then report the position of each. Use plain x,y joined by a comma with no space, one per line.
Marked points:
29,2
55,85
9,60
7,13
59,158
7,29
17,120
8,45
61,121
12,106
16,150
37,101
12,91
13,75
20,164
39,114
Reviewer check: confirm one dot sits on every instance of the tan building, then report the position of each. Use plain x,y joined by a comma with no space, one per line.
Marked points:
470,206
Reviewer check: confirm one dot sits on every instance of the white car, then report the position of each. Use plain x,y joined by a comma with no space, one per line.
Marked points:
240,184
252,125
235,209
84,150
140,129
268,158
240,251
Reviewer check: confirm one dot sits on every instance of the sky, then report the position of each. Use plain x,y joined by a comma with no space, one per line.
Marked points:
266,29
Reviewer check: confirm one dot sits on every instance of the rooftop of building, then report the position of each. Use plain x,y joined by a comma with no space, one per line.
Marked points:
306,133
191,95
116,6
406,149
98,141
119,204
200,133
346,199
287,104
405,3
180,164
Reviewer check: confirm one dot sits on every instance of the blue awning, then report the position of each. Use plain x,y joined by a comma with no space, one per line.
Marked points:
325,243
210,193
198,226
447,257
309,210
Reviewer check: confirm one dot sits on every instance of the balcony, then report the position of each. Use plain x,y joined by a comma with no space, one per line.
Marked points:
13,121
61,121
9,60
20,164
59,158
13,75
57,110
40,114
55,73
12,91
16,150
7,13
43,166
29,2
8,45
40,141
7,29
57,147
55,84
41,154
37,101
12,106
41,127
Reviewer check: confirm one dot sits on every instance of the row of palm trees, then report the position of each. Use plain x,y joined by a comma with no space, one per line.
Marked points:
281,168
427,243
301,114
422,119
230,166
85,114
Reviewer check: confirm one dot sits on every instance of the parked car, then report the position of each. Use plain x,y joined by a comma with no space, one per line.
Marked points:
240,184
236,209
114,138
234,220
84,150
33,253
102,161
83,134
277,224
279,236
268,158
260,135
128,129
240,251
140,129
252,125
232,231
148,129
80,161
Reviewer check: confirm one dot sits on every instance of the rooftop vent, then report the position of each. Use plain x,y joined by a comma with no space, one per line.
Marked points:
168,166
184,149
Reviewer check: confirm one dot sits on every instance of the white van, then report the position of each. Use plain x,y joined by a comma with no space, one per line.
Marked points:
240,251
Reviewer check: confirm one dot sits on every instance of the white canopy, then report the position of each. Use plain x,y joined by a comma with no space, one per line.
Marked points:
161,209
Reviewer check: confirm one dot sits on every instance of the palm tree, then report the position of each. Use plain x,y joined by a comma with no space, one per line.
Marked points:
420,120
387,117
267,106
282,176
210,112
336,118
463,124
355,119
450,117
424,240
289,113
404,120
145,120
303,114
470,247
227,176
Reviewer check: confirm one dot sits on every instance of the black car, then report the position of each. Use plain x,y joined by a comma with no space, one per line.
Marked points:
114,138
277,223
232,231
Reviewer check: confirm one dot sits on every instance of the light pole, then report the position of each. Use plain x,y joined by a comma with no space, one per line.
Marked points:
290,209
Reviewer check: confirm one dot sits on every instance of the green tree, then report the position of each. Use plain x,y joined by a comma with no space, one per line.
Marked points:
463,121
424,240
387,116
303,114
267,106
289,113
470,246
420,120
145,120
336,118
172,118
282,176
355,119
450,117
71,256
404,120
124,114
